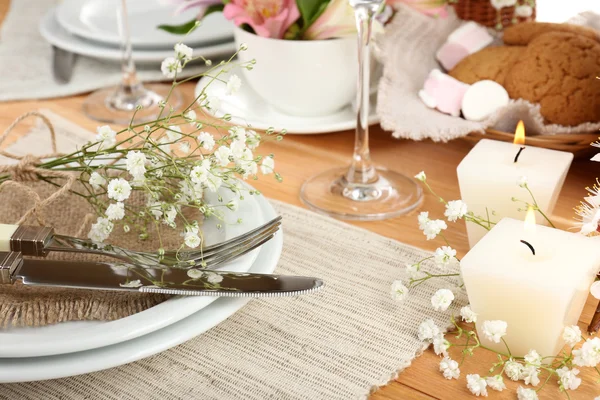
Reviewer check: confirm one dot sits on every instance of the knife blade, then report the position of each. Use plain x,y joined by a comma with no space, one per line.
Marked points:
62,65
128,277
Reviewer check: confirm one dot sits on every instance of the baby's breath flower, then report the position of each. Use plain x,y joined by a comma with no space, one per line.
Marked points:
206,140
234,83
243,47
100,231
440,344
191,117
522,181
183,52
170,67
126,228
213,277
445,256
136,164
530,375
455,209
214,183
442,299
213,103
252,139
233,205
399,291
222,155
194,273
106,136
423,218
184,147
494,330
533,358
155,209
118,189
170,215
568,379
267,166
192,240
572,335
449,368
96,180
433,228
421,176
513,370
477,385
174,133
495,383
164,145
589,353
237,148
131,284
199,173
468,315
428,330
412,271
526,394
115,211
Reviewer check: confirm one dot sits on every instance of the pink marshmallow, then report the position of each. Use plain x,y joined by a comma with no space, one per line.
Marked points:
443,92
451,54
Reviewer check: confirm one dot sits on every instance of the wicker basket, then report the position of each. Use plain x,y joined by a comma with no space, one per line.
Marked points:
578,143
482,12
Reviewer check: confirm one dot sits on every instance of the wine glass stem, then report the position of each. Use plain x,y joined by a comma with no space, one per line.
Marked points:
129,84
361,170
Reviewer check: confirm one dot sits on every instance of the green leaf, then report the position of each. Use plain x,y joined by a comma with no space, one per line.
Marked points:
189,26
310,10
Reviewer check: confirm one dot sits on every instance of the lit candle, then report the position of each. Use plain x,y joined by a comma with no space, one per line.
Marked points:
488,177
536,294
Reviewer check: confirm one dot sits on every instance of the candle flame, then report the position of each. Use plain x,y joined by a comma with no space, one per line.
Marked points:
520,134
529,225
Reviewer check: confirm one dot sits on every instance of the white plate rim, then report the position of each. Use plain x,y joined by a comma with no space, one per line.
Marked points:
61,366
21,344
68,9
308,125
54,34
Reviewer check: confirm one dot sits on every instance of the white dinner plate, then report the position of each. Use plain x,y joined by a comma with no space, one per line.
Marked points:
56,35
97,20
70,337
247,108
60,366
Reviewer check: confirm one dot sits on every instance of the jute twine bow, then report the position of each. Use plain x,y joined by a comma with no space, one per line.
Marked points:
27,170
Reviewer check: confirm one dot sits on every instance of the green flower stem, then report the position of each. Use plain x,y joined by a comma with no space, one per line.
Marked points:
537,208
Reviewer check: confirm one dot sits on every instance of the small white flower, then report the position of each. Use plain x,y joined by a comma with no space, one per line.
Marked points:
96,180
399,291
468,315
206,140
115,211
183,52
595,290
213,103
522,181
455,210
106,136
213,277
442,299
214,183
222,155
164,145
445,256
136,164
118,189
101,230
440,344
199,173
433,228
477,385
589,353
131,284
572,335
568,378
494,330
191,116
499,4
234,83
191,192
243,47
267,165
423,219
192,240
513,370
170,67
252,139
233,205
495,383
237,148
526,394
174,133
412,270
155,209
428,330
449,368
194,273
421,176
533,358
524,11
530,375
184,147
170,215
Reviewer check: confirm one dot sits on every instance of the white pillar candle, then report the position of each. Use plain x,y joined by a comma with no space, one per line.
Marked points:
537,295
6,232
488,177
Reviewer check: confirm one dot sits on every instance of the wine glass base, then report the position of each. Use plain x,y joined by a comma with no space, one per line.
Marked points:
113,106
392,195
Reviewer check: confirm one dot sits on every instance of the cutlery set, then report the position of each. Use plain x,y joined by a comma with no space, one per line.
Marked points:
187,273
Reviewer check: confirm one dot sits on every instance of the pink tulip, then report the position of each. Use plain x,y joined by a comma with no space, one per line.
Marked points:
433,8
268,18
336,21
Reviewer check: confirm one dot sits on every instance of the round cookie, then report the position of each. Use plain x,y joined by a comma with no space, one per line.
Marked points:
482,99
558,70
491,63
522,34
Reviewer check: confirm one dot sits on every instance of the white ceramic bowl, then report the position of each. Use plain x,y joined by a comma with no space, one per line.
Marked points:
307,78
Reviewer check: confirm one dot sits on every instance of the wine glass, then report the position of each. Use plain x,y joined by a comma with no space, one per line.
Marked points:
362,192
117,104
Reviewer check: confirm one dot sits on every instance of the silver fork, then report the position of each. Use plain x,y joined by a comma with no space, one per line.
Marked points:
35,241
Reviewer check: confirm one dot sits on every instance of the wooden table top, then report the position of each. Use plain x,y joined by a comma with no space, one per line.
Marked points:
298,157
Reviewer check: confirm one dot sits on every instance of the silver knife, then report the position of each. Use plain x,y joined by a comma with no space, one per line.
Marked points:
128,277
62,65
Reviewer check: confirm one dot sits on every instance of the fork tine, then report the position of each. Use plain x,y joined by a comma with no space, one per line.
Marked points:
233,256
247,242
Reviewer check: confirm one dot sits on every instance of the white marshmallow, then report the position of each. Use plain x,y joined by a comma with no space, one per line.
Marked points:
482,99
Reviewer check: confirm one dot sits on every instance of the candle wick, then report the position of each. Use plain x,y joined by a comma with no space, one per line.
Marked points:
529,245
519,153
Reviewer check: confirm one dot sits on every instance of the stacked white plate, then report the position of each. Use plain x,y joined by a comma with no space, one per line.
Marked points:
73,348
91,28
